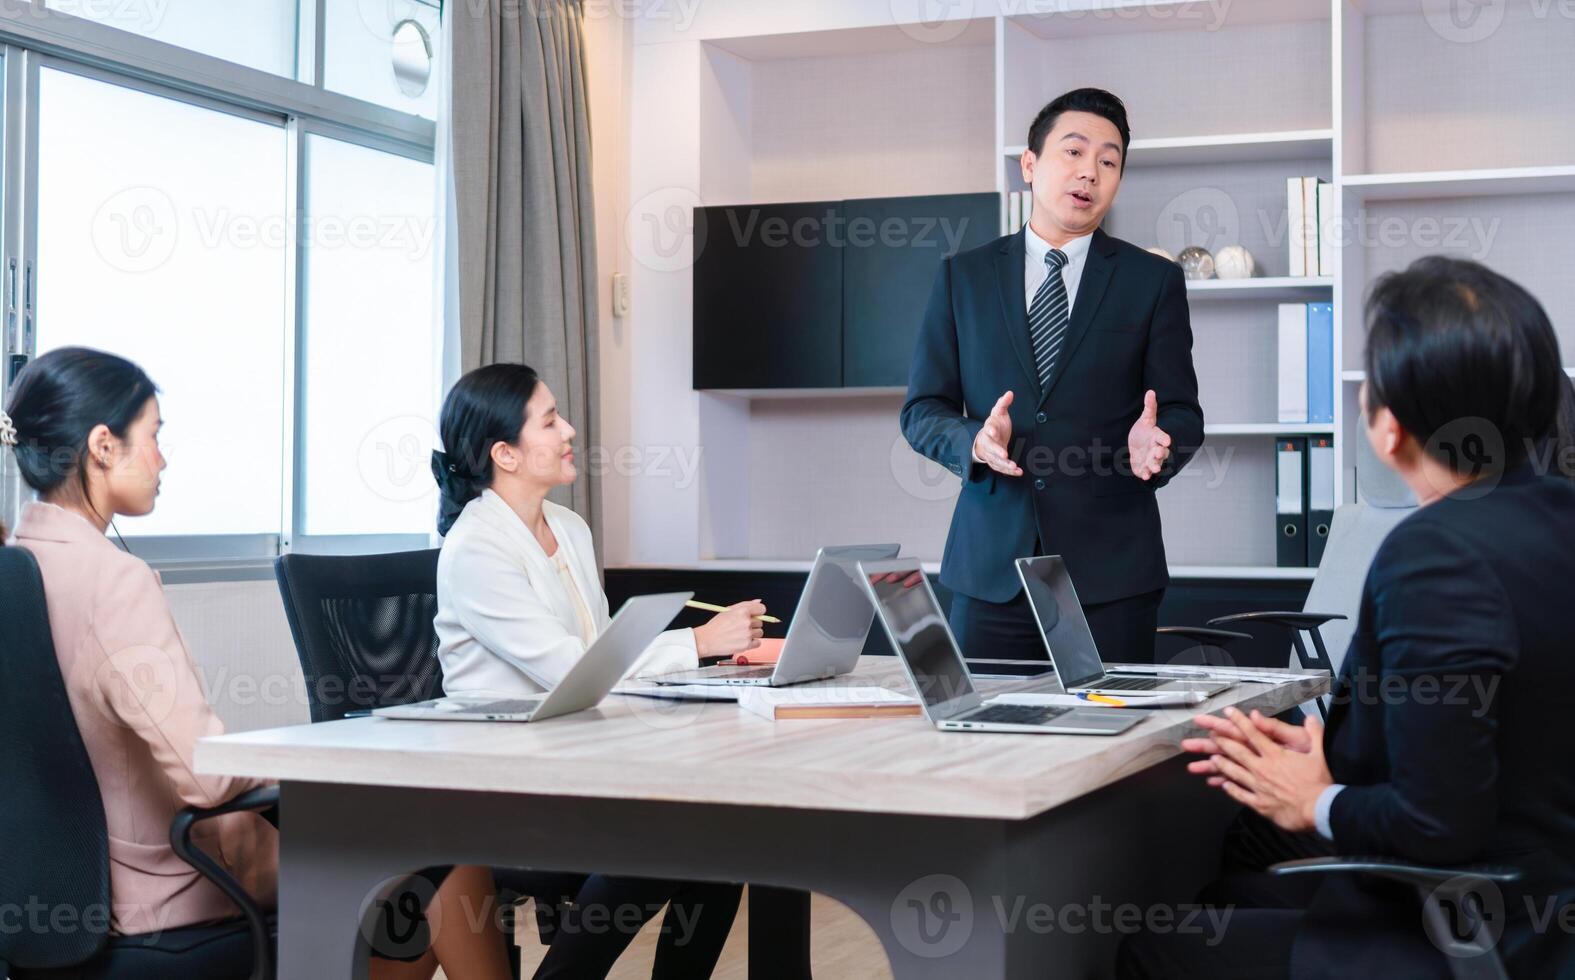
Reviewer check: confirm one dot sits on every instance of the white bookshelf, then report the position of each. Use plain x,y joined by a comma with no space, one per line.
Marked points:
834,101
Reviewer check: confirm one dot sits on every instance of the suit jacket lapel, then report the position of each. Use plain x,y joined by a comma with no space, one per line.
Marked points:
1014,306
1097,270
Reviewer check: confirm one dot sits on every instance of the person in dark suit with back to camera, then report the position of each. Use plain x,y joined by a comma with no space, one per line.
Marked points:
1449,739
1053,373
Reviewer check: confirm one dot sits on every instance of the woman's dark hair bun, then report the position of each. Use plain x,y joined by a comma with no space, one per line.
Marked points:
484,408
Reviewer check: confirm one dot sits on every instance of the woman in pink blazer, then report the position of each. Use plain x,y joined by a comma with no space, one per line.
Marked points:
84,428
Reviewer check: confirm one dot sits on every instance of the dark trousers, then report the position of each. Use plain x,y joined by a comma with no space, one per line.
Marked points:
608,912
1266,912
1123,629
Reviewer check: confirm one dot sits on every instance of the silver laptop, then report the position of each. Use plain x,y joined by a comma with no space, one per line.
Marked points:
828,630
1071,645
929,654
604,664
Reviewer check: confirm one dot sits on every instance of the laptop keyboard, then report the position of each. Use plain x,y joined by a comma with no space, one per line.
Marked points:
504,707
1108,683
740,672
1016,714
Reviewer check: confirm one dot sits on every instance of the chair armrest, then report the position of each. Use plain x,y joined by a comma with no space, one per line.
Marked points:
1293,620
1421,875
265,801
1203,634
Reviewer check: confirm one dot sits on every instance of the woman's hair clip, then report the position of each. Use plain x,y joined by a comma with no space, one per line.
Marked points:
7,430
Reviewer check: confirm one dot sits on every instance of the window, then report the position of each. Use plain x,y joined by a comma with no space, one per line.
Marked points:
162,237
266,253
375,51
372,358
255,33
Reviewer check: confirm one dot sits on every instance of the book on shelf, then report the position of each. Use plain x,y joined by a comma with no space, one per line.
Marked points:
1302,224
1328,228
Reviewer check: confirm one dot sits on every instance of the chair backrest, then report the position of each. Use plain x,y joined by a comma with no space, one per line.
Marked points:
1354,536
54,847
363,628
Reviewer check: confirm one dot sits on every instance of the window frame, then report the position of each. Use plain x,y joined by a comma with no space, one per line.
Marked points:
34,37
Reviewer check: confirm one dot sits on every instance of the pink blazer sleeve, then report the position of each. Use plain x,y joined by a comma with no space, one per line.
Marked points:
144,678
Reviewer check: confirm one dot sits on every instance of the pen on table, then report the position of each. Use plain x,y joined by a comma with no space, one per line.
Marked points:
1103,699
712,607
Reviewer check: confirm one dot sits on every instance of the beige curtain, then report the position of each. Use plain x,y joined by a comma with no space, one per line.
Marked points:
521,237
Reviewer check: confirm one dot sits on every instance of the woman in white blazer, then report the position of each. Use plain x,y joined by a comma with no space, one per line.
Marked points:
520,600
519,597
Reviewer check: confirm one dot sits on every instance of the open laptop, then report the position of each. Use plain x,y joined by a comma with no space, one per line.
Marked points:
929,654
604,664
1071,645
828,630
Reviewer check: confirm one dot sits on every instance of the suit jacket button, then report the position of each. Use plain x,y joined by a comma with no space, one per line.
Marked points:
1041,418
1039,484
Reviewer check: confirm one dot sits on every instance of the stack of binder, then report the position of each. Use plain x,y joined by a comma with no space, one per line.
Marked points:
1303,499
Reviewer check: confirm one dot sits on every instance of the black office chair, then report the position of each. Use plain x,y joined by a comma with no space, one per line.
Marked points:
54,846
363,631
1454,912
363,628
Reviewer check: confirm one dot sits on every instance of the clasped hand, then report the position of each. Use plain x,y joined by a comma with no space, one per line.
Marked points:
1276,769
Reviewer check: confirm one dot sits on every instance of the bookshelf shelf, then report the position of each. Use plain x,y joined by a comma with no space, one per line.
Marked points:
1268,428
1277,289
1461,183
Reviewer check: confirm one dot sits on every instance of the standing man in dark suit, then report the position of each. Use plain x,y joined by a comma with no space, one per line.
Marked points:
1053,373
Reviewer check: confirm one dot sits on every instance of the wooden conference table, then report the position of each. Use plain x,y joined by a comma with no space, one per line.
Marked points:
969,855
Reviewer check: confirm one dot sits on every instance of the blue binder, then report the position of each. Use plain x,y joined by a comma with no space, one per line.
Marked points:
1320,362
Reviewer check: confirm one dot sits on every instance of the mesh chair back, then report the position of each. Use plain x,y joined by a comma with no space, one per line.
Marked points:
363,628
54,848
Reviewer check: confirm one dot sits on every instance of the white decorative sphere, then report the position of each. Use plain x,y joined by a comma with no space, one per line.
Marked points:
1234,262
1162,253
1196,262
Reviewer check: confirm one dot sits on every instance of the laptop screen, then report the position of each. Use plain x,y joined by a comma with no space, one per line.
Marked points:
913,617
1060,616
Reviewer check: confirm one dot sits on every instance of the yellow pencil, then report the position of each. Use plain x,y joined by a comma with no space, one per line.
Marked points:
713,607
